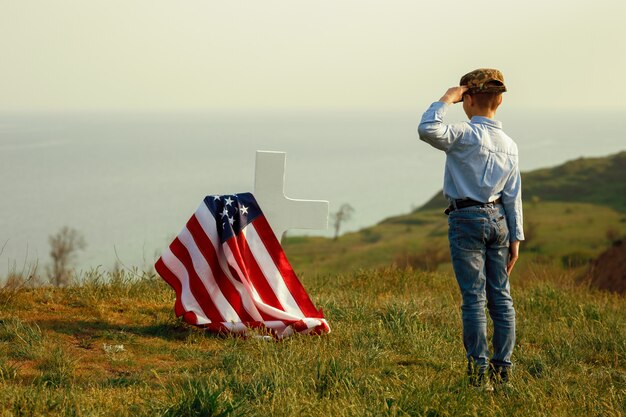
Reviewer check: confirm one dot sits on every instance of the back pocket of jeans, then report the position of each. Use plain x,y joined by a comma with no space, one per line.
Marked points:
467,234
502,230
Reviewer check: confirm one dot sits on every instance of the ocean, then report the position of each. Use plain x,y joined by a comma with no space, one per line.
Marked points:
129,182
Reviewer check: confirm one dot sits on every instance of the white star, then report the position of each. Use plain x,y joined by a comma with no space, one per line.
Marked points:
228,201
216,198
231,220
225,212
244,209
224,225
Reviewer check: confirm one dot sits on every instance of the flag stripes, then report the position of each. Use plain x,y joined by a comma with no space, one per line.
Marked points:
230,273
274,250
229,286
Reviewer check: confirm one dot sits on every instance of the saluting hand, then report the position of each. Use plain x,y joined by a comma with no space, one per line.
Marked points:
454,94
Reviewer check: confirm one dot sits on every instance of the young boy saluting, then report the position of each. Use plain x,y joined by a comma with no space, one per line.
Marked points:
482,183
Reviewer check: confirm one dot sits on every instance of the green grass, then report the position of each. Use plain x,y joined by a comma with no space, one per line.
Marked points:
395,350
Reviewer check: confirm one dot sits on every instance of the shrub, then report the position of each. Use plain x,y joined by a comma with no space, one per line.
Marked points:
63,247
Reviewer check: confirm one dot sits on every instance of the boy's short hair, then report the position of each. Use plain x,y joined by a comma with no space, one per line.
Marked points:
489,101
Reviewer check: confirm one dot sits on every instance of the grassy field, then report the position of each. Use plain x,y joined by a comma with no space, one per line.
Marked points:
395,350
111,345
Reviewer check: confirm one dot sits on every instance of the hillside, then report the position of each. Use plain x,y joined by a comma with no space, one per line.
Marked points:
566,234
112,347
599,181
572,212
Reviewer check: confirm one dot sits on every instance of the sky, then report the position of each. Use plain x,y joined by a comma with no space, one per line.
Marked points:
203,55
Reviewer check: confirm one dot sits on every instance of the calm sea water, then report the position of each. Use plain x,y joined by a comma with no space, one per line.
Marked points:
130,182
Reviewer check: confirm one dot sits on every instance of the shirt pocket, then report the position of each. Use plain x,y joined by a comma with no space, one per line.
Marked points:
496,169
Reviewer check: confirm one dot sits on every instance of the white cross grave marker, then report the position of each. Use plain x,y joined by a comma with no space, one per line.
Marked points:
284,213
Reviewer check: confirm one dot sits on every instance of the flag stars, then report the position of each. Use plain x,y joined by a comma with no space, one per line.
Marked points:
232,212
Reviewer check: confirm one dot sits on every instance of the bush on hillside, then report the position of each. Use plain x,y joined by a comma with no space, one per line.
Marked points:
608,271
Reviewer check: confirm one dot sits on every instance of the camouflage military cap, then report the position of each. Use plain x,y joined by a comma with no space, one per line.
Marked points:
484,80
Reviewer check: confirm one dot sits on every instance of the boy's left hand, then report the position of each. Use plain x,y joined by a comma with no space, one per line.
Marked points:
513,256
454,94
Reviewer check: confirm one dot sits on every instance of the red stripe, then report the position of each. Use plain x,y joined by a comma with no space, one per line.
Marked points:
284,267
241,277
196,286
320,329
208,251
191,318
173,282
252,271
264,315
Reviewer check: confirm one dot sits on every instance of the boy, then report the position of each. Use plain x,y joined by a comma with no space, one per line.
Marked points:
482,183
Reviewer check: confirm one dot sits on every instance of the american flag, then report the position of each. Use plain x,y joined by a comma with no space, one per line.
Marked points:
230,273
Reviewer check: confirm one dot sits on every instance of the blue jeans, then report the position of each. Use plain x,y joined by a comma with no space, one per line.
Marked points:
479,246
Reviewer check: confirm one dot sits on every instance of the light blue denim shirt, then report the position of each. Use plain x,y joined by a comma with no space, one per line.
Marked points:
481,162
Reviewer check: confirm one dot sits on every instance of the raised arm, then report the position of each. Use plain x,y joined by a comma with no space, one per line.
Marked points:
432,129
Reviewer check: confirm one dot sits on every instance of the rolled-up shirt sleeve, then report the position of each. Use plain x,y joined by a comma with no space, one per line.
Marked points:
512,202
434,131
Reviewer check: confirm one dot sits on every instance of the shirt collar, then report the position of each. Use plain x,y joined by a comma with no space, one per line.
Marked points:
486,121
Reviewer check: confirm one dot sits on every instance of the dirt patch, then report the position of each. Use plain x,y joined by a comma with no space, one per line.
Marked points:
608,271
